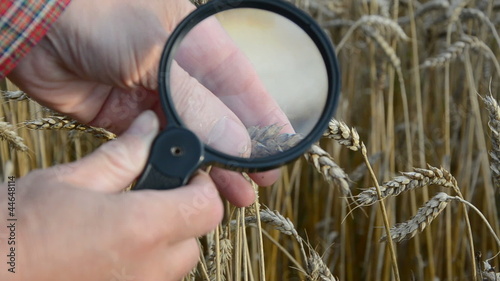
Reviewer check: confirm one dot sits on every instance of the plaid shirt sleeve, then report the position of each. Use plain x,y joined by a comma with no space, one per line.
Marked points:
24,23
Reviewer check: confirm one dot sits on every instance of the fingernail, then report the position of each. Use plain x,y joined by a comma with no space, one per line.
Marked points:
145,125
229,137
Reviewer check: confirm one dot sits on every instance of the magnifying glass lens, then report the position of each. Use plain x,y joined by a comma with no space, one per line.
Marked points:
248,82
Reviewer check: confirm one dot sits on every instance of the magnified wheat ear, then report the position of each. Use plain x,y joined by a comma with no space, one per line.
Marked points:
269,140
408,181
8,134
65,123
425,215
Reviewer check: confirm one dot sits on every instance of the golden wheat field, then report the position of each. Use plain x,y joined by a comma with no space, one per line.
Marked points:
414,150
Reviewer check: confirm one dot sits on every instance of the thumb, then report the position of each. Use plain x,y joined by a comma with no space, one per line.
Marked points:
114,165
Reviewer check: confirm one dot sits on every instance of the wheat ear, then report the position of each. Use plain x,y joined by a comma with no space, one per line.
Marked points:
8,134
408,181
426,8
344,135
269,140
65,123
425,215
324,164
469,13
14,95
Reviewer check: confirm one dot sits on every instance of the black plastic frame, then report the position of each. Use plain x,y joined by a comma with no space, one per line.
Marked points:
295,15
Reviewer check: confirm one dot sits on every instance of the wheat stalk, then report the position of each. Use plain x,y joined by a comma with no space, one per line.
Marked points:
8,134
65,123
324,164
344,135
408,181
425,215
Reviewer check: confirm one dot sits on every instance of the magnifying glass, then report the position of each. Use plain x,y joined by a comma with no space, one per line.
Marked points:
246,85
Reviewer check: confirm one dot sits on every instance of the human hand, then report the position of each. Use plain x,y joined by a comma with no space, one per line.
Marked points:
99,63
74,223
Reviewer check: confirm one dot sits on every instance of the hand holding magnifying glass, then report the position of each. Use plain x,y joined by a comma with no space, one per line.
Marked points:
252,63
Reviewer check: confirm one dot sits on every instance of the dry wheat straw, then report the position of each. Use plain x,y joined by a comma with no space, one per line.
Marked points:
344,135
65,123
324,164
425,215
8,134
408,181
14,95
494,125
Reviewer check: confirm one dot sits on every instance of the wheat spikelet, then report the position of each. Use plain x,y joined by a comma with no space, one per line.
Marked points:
14,95
340,132
408,181
269,140
425,215
324,163
65,123
426,8
494,125
8,134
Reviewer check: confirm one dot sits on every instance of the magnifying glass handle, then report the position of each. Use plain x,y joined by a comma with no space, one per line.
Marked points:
176,154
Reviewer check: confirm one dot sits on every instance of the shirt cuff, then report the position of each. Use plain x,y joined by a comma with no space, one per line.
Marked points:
23,24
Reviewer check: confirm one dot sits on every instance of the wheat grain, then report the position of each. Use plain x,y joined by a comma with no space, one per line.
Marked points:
425,215
65,123
408,181
14,95
494,125
340,132
8,134
324,164
451,53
